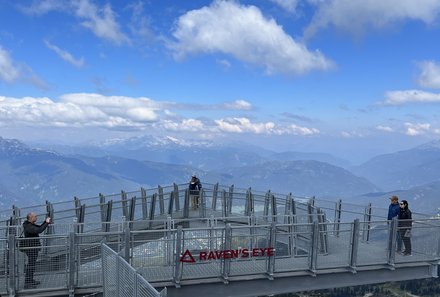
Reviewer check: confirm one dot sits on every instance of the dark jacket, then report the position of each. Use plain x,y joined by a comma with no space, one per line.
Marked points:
393,210
195,184
32,231
405,218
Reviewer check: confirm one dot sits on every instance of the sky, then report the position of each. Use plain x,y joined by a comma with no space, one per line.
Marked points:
347,77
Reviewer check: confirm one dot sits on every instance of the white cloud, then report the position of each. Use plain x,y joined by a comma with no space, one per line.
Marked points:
357,16
39,7
244,125
385,128
11,72
66,56
78,110
118,112
410,96
8,71
430,74
416,129
102,22
243,32
189,125
351,134
288,5
238,105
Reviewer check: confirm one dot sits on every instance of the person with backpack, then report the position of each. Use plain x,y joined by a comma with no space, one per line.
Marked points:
194,191
31,232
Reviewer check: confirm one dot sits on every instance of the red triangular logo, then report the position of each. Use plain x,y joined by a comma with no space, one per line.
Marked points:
185,257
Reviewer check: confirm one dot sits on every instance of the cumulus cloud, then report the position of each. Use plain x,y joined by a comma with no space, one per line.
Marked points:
12,72
66,56
429,75
39,7
8,71
384,128
357,16
244,125
100,20
238,105
78,110
410,96
417,129
241,31
119,112
288,5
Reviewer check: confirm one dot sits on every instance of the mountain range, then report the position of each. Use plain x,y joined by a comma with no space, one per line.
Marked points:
33,173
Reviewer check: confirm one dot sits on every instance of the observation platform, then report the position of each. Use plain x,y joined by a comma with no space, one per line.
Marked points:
238,242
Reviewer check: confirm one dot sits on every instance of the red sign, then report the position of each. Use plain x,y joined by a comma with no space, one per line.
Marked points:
187,257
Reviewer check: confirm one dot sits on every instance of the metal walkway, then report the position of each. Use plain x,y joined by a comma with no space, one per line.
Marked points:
238,242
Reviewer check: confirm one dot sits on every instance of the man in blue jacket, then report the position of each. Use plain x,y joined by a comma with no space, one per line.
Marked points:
393,211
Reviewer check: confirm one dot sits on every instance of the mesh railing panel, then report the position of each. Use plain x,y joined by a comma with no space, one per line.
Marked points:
122,280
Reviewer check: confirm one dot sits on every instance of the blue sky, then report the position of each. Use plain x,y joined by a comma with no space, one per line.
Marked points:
353,78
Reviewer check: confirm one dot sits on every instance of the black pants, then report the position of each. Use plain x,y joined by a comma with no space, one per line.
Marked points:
406,240
32,256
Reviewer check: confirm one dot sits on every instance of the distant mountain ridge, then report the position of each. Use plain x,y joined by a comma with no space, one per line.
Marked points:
403,169
28,174
300,177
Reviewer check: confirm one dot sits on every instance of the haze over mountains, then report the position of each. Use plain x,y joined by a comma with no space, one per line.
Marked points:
32,174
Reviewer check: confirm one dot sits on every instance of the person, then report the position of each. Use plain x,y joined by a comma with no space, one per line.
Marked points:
393,211
31,231
404,225
194,190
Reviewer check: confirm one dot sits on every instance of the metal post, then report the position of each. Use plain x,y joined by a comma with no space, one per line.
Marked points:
337,220
77,206
231,195
310,209
108,215
152,209
367,223
82,214
73,264
214,197
169,246
202,203
226,267
225,203
161,200
270,268
266,206
144,204
127,245
132,210
124,203
287,209
391,247
102,206
186,204
247,202
354,244
273,201
323,235
313,254
176,197
170,204
178,264
12,285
